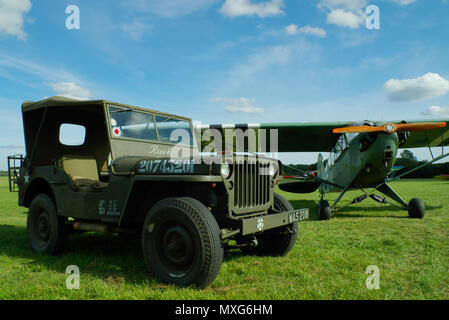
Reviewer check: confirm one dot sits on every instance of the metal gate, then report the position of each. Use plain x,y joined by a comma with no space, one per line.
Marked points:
14,164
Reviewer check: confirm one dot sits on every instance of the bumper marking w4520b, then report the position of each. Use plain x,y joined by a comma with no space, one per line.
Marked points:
262,223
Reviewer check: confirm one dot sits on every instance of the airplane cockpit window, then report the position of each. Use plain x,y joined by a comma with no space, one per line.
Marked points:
350,137
341,145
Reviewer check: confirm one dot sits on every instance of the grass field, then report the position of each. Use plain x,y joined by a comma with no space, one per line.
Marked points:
328,261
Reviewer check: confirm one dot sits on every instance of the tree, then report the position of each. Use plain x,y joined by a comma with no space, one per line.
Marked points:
408,155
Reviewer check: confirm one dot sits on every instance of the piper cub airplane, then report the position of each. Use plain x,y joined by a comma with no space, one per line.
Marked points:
361,157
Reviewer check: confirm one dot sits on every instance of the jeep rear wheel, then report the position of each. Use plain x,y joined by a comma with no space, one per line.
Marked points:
181,242
279,241
47,232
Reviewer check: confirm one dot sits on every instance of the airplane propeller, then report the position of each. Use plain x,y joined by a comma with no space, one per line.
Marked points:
392,127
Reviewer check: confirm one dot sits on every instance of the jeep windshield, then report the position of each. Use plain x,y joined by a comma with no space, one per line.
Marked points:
132,124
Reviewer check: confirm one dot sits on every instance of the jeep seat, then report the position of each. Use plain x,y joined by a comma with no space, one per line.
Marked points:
83,172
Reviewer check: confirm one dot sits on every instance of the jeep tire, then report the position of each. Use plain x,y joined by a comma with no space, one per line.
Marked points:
181,242
47,232
279,241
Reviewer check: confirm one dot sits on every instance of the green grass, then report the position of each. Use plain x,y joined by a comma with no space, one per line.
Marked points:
328,261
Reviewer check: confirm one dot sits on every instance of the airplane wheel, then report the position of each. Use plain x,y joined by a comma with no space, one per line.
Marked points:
416,208
324,210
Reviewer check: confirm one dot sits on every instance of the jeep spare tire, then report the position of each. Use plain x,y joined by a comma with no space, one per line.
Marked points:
181,242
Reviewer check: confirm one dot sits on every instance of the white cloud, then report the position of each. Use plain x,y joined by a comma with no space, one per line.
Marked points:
240,105
30,73
136,29
20,65
171,8
261,60
355,5
291,29
70,90
313,31
437,111
12,14
11,146
352,5
349,13
235,8
403,2
268,61
344,18
345,13
428,86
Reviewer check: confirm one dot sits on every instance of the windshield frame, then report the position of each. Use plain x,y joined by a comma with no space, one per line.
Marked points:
154,115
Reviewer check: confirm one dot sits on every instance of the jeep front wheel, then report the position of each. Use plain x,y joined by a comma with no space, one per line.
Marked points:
181,242
47,232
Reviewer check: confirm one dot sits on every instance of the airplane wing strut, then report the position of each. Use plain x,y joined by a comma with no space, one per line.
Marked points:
308,176
417,167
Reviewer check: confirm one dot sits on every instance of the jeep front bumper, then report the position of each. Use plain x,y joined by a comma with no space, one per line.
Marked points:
271,221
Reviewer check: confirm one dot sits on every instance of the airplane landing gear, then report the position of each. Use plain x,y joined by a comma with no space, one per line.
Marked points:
324,210
416,208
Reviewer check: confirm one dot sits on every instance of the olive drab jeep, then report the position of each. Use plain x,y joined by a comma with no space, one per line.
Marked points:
100,166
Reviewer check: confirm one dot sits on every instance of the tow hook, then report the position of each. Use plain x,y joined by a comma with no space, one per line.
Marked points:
253,243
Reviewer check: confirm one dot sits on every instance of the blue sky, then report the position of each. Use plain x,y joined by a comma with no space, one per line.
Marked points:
228,61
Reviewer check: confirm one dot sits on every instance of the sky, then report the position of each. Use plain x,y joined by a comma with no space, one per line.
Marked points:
229,61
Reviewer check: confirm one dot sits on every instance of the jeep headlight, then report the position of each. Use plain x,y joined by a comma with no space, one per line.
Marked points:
273,169
225,170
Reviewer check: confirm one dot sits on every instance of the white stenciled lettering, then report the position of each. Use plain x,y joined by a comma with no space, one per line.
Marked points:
101,207
166,166
110,208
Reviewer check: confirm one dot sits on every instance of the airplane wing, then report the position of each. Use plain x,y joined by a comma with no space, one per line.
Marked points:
318,136
296,137
432,138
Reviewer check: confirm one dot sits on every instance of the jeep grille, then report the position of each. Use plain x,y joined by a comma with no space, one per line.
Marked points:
252,184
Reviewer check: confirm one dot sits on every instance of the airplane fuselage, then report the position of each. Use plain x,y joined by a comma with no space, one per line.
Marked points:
359,161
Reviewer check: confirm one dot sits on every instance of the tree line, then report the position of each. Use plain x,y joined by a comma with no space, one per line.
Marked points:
408,160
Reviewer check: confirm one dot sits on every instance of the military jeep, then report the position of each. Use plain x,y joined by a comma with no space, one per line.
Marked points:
101,166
